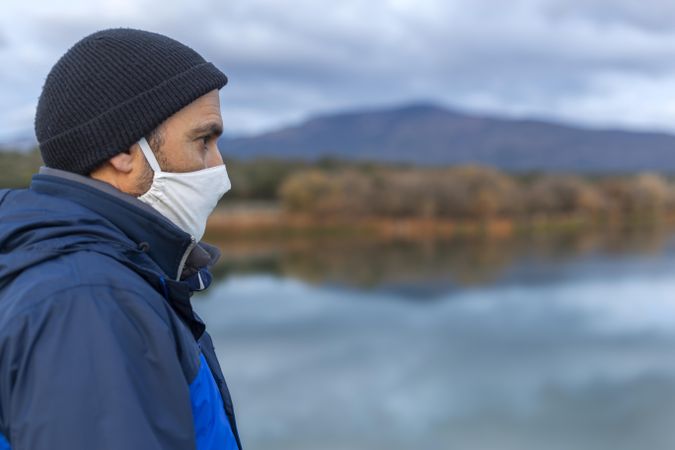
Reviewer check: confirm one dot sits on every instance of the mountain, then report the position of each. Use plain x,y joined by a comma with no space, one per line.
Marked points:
427,134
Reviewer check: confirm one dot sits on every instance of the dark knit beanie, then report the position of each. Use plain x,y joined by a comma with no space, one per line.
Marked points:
110,89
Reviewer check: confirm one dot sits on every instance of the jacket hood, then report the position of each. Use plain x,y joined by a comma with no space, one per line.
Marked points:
36,228
59,215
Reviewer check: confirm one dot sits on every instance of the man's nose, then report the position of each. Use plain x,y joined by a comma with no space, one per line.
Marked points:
214,158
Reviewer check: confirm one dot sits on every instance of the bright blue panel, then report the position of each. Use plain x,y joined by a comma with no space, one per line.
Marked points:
4,445
212,429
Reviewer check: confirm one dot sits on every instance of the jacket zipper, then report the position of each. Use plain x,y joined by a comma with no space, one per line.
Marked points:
193,242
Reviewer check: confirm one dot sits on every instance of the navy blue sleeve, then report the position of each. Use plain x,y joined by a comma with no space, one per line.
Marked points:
96,369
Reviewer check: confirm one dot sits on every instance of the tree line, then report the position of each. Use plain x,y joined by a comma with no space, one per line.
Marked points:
353,189
472,192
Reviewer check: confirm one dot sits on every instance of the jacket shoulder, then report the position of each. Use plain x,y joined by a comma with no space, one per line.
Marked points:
43,285
79,279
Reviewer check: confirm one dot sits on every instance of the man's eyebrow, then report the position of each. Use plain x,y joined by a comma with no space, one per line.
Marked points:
210,128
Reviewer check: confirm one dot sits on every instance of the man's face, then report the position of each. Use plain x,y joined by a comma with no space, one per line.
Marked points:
187,141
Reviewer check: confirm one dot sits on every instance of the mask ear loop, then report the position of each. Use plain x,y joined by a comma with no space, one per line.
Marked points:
149,155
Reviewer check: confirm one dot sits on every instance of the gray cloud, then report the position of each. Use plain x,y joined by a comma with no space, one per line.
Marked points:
660,18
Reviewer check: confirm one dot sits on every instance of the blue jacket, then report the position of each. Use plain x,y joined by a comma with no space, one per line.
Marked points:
99,345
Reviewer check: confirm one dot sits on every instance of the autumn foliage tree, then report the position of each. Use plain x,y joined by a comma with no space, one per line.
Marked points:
470,192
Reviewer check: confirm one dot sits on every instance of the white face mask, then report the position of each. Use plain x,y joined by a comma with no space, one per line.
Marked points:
186,199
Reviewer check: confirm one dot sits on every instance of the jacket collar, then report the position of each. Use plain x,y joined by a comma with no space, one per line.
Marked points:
174,250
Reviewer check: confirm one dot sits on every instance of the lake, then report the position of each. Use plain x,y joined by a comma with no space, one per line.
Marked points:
537,342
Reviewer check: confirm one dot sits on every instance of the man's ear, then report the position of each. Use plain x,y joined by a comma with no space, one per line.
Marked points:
119,171
124,162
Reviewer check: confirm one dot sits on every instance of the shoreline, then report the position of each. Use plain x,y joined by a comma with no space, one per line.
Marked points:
270,221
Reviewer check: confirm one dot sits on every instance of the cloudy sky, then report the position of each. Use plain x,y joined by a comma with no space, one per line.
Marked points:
590,62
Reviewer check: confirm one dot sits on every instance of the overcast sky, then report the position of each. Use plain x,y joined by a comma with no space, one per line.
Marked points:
591,62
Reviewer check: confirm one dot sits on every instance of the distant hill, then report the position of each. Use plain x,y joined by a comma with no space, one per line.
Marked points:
19,143
426,134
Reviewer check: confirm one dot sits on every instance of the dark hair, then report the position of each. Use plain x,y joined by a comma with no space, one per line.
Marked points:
156,138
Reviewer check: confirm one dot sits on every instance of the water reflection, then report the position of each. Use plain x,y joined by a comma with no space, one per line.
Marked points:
559,344
426,268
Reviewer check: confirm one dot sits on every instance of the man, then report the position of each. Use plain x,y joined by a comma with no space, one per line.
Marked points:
99,345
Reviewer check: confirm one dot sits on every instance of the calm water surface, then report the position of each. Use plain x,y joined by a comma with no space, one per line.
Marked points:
565,343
